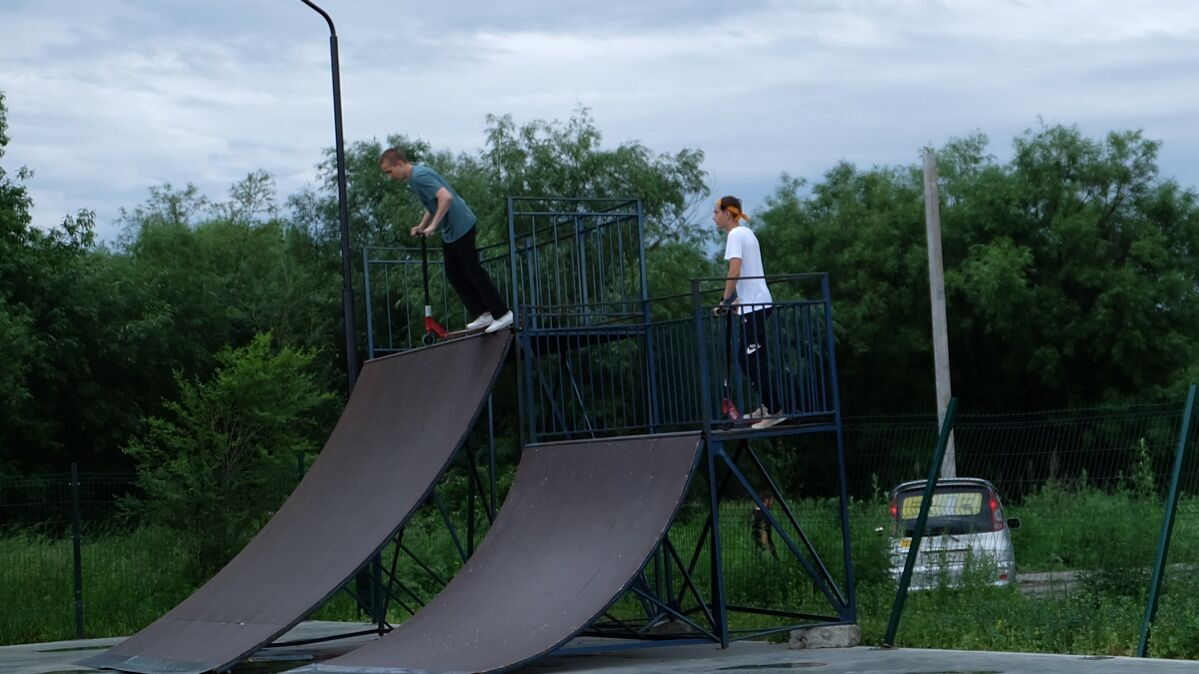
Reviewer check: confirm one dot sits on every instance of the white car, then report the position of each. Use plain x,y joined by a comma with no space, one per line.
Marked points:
966,528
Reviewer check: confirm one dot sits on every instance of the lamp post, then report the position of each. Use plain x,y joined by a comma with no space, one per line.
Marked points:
347,289
369,580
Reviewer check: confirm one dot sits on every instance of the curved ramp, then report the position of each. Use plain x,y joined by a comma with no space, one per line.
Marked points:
407,417
580,521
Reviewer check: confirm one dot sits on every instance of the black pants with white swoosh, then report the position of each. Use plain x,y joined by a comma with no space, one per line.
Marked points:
754,360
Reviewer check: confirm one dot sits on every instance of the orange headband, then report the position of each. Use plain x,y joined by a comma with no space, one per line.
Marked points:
734,210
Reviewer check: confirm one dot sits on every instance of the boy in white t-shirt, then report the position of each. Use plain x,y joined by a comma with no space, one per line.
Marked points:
753,304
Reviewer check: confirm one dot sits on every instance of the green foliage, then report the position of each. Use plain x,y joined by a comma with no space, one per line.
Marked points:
220,281
129,580
538,158
17,344
1108,534
565,159
52,311
1177,621
92,335
1069,272
190,277
133,577
211,471
14,199
1002,619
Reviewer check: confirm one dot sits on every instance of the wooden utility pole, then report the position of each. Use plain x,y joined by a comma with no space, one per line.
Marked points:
936,289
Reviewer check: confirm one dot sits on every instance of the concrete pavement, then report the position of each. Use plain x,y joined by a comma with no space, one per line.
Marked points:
609,657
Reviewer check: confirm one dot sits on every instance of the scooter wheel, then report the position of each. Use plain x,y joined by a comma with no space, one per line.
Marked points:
428,339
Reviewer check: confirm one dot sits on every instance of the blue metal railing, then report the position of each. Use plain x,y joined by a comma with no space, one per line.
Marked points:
395,301
600,357
580,261
630,375
567,262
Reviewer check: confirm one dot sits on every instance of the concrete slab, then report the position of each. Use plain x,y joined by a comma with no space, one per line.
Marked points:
59,656
761,658
596,656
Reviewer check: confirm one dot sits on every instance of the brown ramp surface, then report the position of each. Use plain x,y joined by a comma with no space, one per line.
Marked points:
580,521
407,417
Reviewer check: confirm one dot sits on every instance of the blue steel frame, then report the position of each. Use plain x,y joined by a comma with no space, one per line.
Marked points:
589,297
566,394
385,580
575,273
578,382
815,410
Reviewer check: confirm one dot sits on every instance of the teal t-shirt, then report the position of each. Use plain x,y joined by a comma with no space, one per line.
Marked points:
425,183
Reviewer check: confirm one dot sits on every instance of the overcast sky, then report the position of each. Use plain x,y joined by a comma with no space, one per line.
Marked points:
109,97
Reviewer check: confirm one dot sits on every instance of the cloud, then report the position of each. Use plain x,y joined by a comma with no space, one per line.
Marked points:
108,99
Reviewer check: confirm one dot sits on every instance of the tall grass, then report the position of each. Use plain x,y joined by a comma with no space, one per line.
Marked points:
131,578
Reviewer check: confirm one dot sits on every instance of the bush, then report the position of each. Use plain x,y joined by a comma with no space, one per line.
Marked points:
214,471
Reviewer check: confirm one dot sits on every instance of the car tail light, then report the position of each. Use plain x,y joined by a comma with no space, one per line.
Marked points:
997,522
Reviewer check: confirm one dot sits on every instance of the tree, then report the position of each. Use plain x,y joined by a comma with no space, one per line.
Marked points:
223,455
229,271
51,310
539,158
565,159
190,277
1089,294
865,229
16,326
1070,272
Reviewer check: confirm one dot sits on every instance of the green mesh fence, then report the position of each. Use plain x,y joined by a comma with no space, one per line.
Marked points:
133,573
1088,487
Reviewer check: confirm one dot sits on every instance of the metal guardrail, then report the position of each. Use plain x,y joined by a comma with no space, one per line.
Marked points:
629,375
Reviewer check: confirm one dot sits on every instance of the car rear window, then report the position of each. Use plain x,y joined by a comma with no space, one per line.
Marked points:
954,511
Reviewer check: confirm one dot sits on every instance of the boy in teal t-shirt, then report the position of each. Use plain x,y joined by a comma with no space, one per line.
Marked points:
425,183
447,211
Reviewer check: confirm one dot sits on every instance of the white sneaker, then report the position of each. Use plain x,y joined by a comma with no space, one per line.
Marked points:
500,323
760,413
769,422
482,321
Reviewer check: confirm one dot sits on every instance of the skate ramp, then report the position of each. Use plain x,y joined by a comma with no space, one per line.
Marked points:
407,417
580,521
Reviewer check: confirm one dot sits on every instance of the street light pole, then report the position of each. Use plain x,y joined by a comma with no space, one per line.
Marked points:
369,580
343,208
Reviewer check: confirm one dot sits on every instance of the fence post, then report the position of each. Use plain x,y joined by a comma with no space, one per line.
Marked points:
76,536
921,520
1163,544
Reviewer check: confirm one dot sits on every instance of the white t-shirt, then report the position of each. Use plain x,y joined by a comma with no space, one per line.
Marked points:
743,244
